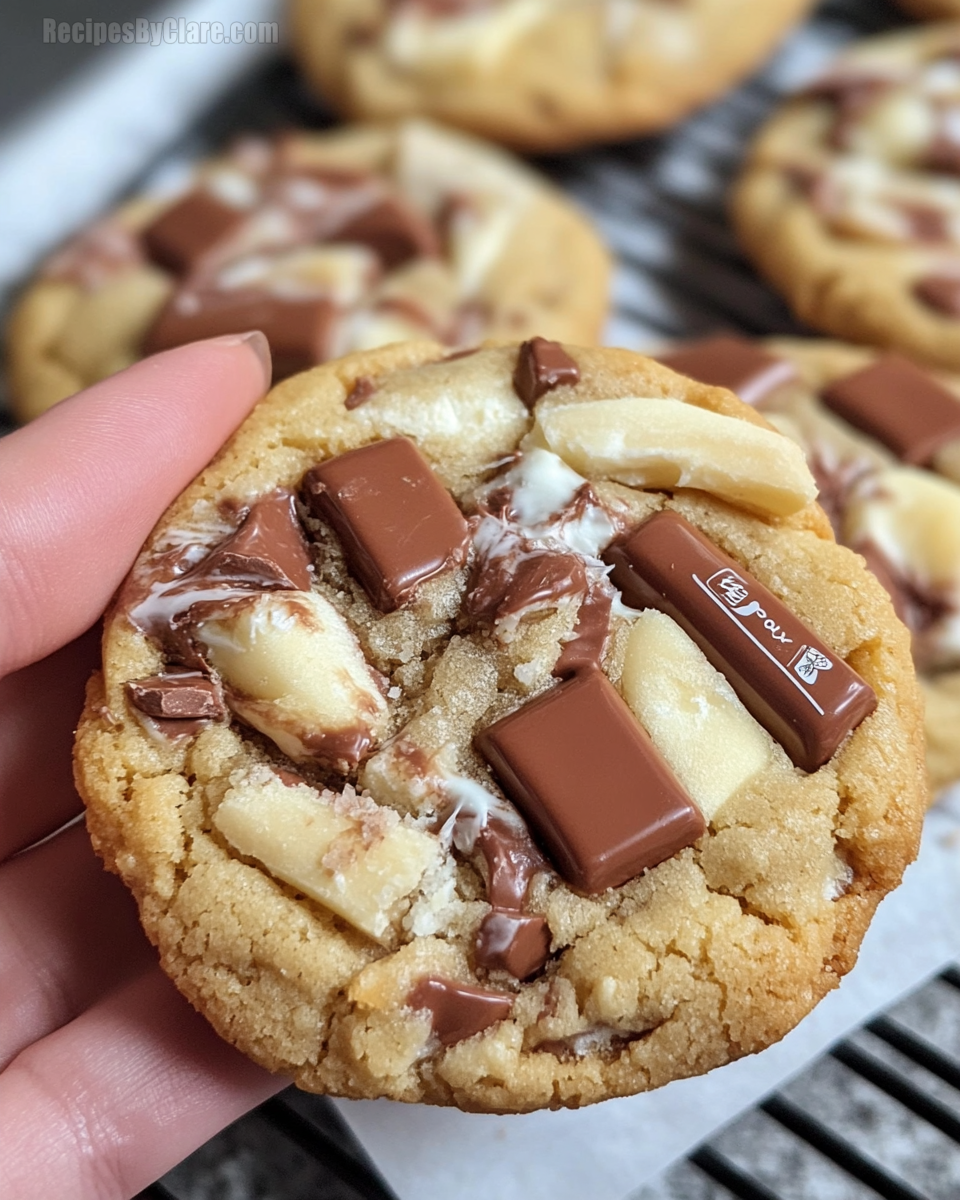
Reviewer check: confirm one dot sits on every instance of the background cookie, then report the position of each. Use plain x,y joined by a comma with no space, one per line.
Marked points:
332,873
536,74
931,8
888,496
850,201
329,243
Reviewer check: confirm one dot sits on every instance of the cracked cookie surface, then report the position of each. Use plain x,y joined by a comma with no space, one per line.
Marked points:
371,912
536,74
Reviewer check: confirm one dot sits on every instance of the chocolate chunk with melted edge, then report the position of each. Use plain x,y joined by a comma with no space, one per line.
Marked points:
799,690
268,550
458,1011
513,942
361,391
181,235
585,648
528,581
396,522
899,405
394,232
298,328
939,292
184,696
731,362
591,783
541,367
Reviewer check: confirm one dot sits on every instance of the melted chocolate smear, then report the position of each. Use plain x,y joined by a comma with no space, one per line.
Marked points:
585,648
528,580
361,391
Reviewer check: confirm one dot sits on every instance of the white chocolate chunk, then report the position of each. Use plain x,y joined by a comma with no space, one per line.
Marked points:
913,518
691,712
294,670
416,39
658,443
361,864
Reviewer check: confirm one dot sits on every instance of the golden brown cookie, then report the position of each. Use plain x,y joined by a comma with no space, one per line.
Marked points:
850,201
535,74
329,243
420,787
883,440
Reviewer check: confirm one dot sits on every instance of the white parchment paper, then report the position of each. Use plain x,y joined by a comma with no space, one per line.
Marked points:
608,1150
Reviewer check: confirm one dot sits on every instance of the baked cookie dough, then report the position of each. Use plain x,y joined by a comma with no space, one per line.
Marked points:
882,437
504,731
535,74
850,199
329,242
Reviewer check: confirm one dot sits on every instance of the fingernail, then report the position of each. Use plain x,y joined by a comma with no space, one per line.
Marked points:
257,341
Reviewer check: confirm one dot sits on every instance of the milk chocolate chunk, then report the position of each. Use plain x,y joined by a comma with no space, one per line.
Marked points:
528,581
398,525
799,690
458,1011
513,942
939,292
899,405
185,696
585,648
361,391
591,783
394,231
181,235
268,550
542,366
731,362
298,328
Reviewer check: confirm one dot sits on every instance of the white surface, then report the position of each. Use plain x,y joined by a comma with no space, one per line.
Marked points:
607,1151
65,162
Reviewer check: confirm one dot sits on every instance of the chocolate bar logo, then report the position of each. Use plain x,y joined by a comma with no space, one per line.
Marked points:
734,590
808,663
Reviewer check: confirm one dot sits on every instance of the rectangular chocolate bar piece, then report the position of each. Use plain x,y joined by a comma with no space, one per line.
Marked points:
183,233
590,782
799,690
397,523
731,362
898,404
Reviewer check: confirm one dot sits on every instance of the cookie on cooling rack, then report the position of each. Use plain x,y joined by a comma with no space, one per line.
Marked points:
536,74
504,730
850,199
882,437
329,242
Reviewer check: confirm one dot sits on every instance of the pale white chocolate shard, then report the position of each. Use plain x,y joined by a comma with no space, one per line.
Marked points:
418,40
691,712
655,443
913,518
353,856
293,669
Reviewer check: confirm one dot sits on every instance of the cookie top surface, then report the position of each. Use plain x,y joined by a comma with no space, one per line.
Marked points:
882,437
329,242
537,74
378,692
850,199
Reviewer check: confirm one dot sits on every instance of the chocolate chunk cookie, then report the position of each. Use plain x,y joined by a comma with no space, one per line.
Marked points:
850,199
882,437
328,243
536,74
507,732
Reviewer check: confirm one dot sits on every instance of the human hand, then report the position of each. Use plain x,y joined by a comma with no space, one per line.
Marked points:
107,1076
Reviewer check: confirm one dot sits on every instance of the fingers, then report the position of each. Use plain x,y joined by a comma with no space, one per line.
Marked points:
39,709
69,934
82,486
104,1106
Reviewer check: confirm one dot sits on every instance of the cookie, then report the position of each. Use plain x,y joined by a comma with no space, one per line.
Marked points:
329,243
514,738
535,74
850,202
882,437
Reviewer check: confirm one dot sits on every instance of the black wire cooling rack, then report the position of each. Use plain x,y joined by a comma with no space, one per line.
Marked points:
879,1114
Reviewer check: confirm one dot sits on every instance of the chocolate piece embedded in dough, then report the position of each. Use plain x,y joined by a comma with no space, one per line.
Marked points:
397,523
183,696
731,362
799,690
542,366
179,238
591,783
457,1010
898,404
